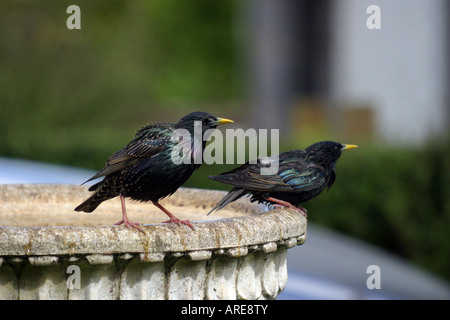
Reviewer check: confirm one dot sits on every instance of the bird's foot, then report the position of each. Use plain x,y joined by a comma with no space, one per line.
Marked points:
172,217
179,222
130,224
303,211
125,221
300,210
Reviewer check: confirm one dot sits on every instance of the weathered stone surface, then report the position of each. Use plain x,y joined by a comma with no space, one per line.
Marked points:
142,281
237,253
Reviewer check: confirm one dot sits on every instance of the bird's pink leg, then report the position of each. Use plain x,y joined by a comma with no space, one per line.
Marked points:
125,221
287,204
173,218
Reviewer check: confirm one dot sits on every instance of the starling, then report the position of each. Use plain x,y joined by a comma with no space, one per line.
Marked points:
145,169
302,175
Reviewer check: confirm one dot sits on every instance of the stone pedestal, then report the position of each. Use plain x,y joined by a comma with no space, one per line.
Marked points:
49,251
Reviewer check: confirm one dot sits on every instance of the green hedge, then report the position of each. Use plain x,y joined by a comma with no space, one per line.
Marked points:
396,199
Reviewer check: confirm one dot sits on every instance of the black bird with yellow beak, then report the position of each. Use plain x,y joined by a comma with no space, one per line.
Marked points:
144,169
302,175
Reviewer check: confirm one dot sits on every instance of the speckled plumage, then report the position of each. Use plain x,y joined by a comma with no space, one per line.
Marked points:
143,170
302,175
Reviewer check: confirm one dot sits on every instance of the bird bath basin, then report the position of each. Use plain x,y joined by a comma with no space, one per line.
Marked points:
49,251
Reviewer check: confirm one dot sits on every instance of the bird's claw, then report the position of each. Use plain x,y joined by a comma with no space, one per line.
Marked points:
130,224
303,211
300,210
179,222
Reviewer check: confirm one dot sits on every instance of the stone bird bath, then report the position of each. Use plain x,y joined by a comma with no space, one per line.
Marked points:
49,251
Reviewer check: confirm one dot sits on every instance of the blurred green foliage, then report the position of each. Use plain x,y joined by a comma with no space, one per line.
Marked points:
67,94
76,96
398,199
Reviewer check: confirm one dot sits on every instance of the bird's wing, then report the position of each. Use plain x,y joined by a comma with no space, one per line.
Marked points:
148,142
306,179
291,177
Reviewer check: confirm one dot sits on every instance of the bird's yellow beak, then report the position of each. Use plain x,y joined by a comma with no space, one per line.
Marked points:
349,146
223,120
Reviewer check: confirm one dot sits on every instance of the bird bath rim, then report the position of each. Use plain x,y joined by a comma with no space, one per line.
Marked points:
239,257
246,229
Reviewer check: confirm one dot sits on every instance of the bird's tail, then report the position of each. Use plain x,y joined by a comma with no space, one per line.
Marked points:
231,196
100,194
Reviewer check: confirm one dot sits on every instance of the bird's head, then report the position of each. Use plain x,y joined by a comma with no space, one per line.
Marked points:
327,152
208,121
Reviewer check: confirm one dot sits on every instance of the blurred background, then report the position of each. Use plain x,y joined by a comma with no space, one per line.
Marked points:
312,69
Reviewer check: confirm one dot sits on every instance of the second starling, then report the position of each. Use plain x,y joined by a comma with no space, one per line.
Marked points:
145,169
302,175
